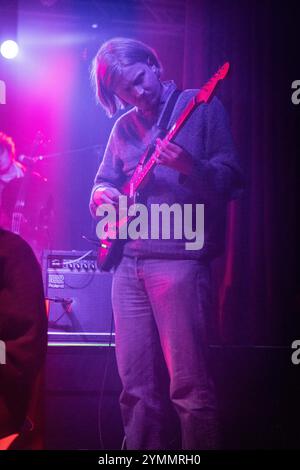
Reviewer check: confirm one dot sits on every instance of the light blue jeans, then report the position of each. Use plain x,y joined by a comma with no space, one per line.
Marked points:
160,311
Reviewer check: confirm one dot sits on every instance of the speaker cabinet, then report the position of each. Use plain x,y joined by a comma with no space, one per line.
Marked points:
78,297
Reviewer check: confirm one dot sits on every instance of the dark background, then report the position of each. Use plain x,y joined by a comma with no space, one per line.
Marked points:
256,282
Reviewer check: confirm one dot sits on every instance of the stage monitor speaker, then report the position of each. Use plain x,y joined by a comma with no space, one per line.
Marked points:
79,299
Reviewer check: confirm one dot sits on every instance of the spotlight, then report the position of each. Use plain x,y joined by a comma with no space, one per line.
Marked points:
9,49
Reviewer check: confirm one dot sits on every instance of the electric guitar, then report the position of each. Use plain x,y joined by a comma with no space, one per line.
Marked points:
18,218
110,248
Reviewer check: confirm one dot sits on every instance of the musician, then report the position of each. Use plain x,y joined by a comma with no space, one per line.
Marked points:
26,206
161,291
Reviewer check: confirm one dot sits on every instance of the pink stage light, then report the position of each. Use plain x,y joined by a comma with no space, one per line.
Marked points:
9,49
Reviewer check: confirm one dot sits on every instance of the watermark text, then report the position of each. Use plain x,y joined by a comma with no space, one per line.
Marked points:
161,221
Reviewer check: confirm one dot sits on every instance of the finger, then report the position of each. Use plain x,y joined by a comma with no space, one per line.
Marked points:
170,148
106,199
114,193
161,144
161,158
166,144
167,156
158,145
173,150
173,146
165,159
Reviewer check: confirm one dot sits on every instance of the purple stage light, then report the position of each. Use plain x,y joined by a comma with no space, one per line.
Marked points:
9,49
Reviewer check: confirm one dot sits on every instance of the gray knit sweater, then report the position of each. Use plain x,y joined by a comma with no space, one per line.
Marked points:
217,177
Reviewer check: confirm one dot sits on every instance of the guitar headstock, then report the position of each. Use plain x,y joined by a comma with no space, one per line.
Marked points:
204,94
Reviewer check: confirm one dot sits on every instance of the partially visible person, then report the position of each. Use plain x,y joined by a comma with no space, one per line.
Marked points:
26,206
23,331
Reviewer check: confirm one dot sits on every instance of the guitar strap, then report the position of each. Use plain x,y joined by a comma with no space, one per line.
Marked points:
165,117
162,124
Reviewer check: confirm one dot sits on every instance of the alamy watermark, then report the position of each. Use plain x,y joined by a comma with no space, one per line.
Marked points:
2,352
160,222
296,94
295,357
2,92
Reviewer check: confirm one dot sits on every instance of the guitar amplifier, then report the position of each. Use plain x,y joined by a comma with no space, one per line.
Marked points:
78,297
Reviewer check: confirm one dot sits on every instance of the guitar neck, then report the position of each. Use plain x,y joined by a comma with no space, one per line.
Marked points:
201,97
139,179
